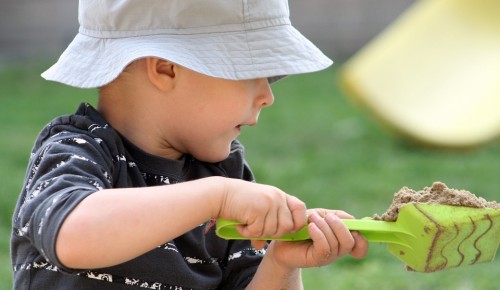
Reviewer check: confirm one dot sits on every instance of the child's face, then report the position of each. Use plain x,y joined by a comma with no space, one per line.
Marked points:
207,113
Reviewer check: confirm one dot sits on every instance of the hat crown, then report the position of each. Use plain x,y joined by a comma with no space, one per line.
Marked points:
229,39
121,18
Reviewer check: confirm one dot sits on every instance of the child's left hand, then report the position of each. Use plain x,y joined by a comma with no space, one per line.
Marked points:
330,240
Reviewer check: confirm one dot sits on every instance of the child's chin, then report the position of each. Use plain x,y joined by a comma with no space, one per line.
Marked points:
213,157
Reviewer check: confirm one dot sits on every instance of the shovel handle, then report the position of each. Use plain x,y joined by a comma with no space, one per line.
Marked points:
373,231
379,231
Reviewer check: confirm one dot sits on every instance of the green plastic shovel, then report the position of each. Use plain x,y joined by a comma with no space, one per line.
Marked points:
426,237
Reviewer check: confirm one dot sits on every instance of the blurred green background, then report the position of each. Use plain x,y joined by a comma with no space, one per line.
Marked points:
312,143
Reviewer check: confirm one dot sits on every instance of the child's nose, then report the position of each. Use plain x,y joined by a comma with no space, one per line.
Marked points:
265,94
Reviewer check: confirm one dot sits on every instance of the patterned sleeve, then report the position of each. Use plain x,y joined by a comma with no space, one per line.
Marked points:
62,172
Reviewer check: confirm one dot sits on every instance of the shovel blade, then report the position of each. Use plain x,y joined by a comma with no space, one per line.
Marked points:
448,236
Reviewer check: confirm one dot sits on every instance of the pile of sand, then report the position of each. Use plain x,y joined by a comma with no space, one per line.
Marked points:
438,193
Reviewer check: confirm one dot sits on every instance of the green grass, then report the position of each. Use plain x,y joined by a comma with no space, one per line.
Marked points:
312,143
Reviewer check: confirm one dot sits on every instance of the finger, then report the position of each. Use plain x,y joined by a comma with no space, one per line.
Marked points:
342,236
323,212
285,222
321,247
298,211
342,214
360,248
324,239
325,228
271,224
254,228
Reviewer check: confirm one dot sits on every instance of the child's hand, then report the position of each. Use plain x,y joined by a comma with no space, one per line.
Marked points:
330,240
264,211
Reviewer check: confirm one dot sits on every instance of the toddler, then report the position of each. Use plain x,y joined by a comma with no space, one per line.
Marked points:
123,195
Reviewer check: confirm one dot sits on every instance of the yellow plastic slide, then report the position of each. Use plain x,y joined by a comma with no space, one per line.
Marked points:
434,74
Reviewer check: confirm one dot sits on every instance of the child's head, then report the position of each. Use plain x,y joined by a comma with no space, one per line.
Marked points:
213,59
245,39
169,110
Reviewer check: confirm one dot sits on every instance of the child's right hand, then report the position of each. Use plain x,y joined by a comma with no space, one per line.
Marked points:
263,210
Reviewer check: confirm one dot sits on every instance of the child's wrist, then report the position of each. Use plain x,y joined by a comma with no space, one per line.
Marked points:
218,189
276,264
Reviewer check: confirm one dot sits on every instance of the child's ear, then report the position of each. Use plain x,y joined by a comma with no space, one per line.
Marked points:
161,72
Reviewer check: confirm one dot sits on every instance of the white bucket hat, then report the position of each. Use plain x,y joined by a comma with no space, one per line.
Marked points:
228,39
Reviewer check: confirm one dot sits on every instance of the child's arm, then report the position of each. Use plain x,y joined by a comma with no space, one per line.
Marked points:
280,268
94,235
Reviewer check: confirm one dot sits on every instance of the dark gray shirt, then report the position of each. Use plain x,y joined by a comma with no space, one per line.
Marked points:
77,155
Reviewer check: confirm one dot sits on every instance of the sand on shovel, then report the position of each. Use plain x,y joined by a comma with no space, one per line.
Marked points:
438,193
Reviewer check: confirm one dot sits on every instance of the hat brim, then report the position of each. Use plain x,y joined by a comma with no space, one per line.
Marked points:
272,53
